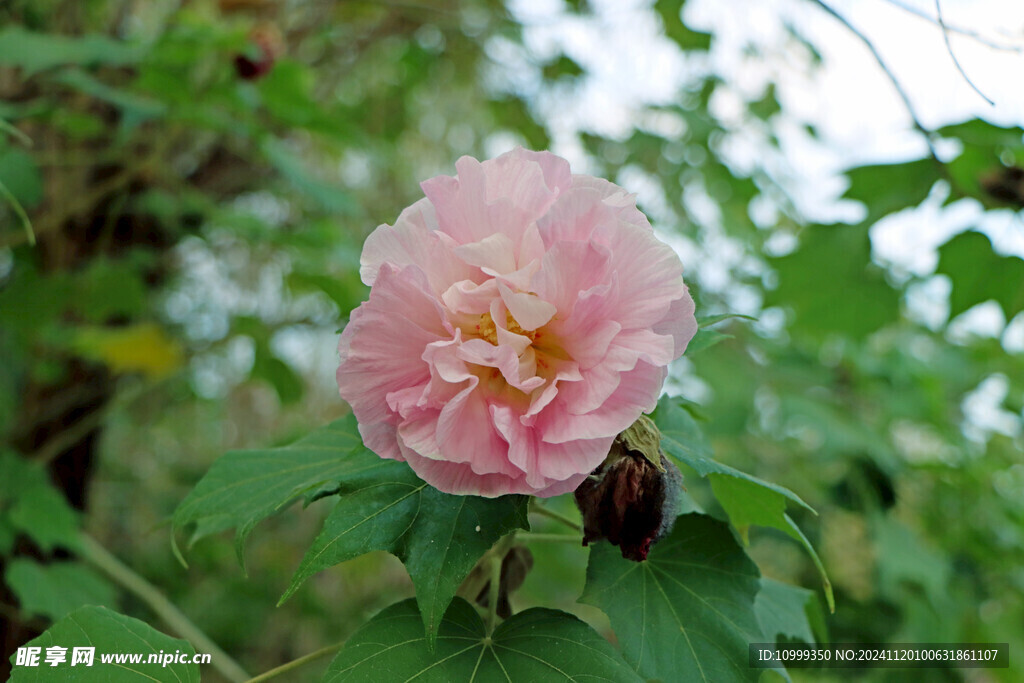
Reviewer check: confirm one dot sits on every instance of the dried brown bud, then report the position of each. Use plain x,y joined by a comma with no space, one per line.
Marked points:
266,45
632,499
516,564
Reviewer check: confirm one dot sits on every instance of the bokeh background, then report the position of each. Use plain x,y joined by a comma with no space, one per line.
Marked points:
186,186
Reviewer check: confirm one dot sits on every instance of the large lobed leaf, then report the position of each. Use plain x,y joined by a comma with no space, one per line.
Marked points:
888,188
980,274
745,498
242,488
33,506
831,285
789,612
382,505
687,612
682,440
52,590
535,645
110,633
439,537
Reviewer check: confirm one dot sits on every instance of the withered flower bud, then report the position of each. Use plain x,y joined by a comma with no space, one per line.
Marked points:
516,564
266,45
632,499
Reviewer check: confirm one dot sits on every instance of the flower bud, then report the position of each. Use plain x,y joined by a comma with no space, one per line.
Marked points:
266,45
632,499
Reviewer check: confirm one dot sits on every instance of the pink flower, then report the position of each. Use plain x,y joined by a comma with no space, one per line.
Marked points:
520,317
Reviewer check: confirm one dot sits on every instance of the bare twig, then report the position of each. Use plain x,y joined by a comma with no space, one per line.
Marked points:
888,72
973,35
956,62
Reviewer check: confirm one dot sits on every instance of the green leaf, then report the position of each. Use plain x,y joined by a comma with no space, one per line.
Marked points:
11,373
108,288
513,114
563,67
109,633
7,535
979,274
681,438
38,51
908,559
328,195
984,168
671,13
981,133
708,321
687,612
20,175
344,288
683,441
767,106
243,488
53,590
439,537
34,506
748,501
535,645
831,285
705,339
785,610
271,369
286,92
745,498
137,108
43,514
887,188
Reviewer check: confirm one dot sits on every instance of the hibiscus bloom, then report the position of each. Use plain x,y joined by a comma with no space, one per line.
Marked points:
519,318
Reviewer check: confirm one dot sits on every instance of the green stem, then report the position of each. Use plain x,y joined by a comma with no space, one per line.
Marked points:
548,538
96,554
492,599
296,663
20,213
551,514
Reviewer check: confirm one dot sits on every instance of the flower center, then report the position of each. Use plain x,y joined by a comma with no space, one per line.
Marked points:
489,331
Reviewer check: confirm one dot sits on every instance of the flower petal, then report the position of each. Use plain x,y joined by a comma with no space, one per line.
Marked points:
466,296
495,253
679,323
374,365
637,393
529,310
412,242
546,461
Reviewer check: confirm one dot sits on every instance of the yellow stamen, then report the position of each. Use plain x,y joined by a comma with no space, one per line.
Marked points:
489,331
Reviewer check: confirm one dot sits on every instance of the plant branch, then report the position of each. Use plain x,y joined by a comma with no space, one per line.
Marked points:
103,560
973,35
888,72
551,514
497,559
296,663
548,538
16,207
956,62
67,438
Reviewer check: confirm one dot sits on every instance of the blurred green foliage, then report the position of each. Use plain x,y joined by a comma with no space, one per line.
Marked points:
199,177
